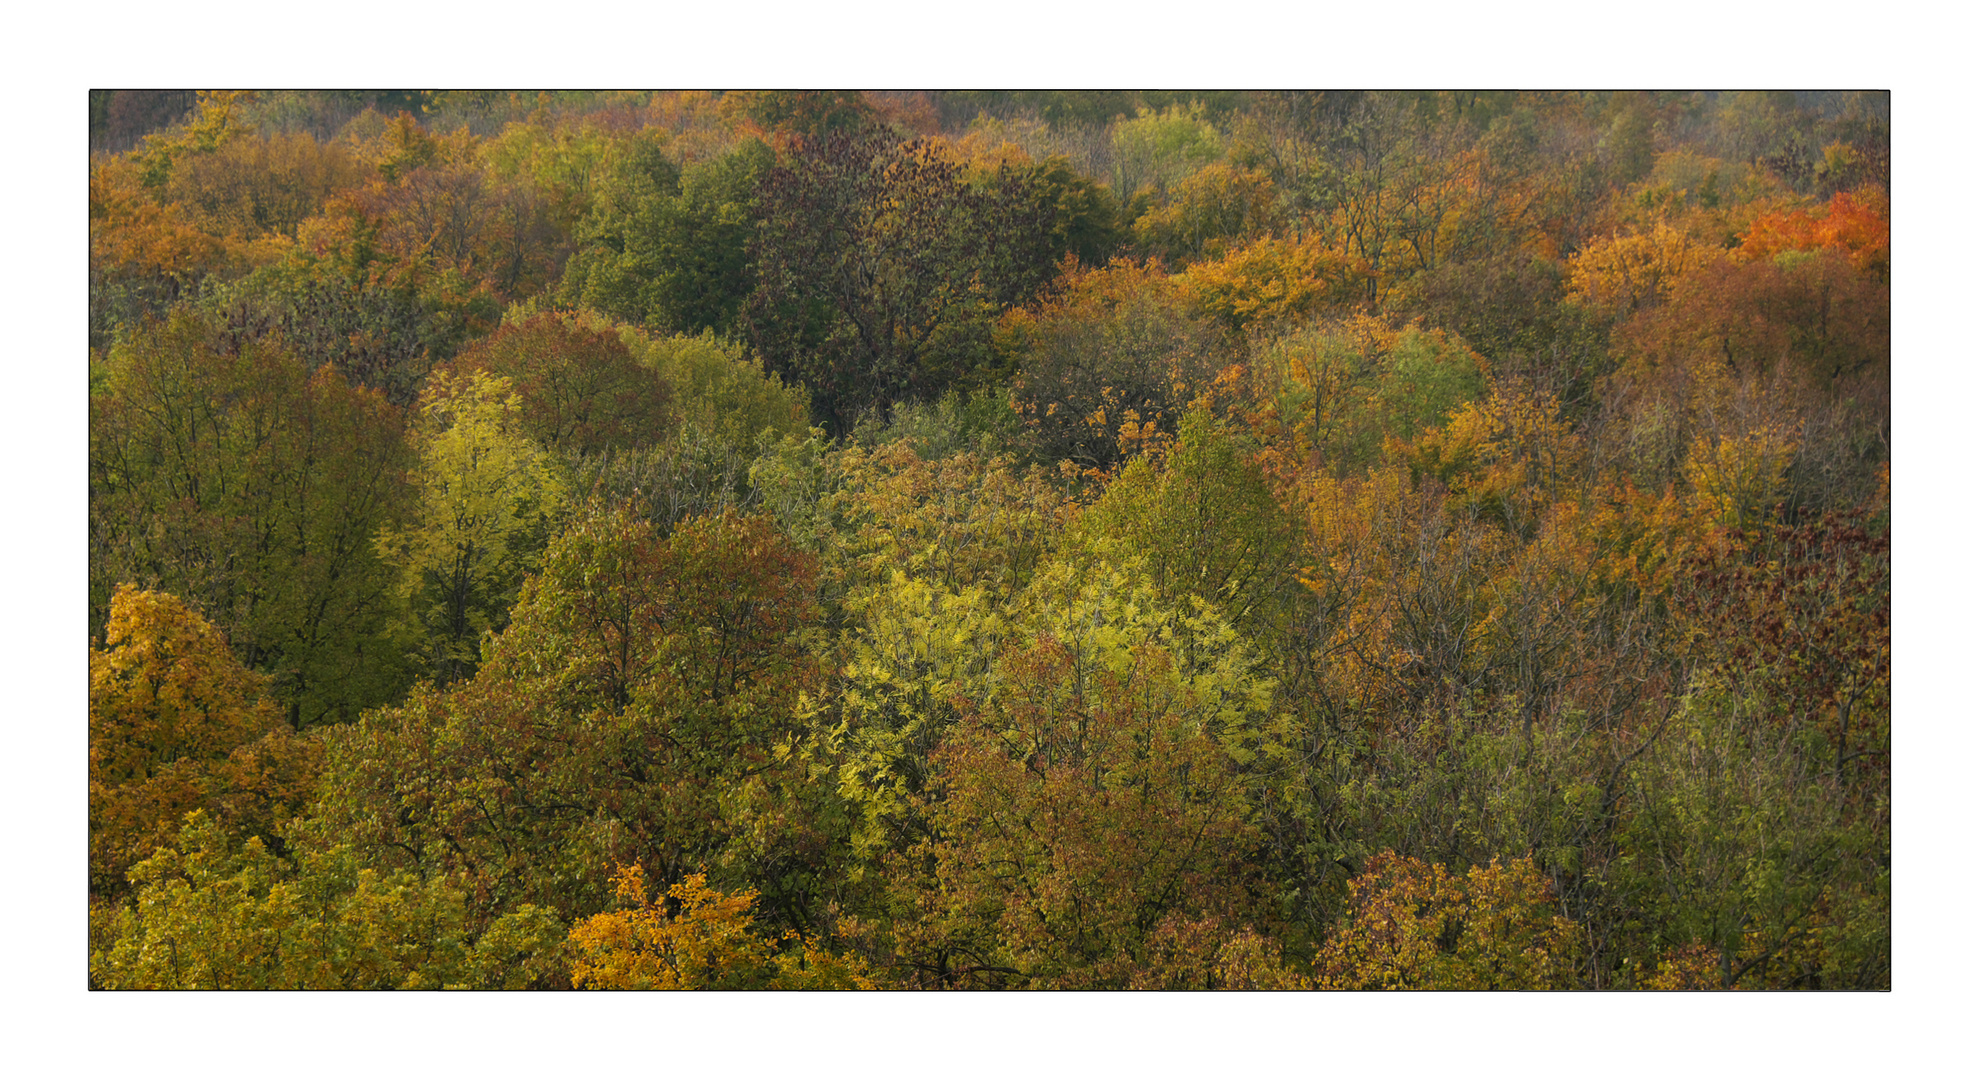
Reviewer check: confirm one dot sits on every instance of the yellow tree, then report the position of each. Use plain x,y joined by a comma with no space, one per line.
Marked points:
709,942
177,724
1270,282
1624,273
1087,817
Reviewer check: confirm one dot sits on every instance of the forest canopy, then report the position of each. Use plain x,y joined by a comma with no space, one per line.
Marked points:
1031,540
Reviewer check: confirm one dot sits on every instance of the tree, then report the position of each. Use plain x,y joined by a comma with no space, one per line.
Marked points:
1419,927
1266,284
1084,218
230,472
1765,854
1625,273
251,186
1158,147
710,944
1088,818
879,269
802,112
669,250
210,915
1215,210
487,498
1108,347
1801,618
1858,223
580,387
1206,523
642,705
936,556
718,387
176,724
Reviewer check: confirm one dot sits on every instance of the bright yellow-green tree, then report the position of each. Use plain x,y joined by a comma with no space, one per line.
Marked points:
487,500
213,915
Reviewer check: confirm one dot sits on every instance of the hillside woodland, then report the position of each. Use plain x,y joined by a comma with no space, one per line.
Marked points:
989,540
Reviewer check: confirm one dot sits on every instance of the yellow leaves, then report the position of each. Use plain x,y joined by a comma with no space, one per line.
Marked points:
1623,273
709,942
1214,209
1270,282
964,521
1510,454
1415,925
1738,479
486,492
719,387
177,724
1691,967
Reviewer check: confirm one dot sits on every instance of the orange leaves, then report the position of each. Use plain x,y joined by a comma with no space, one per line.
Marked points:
1624,273
708,941
1269,282
131,235
708,945
1415,925
1858,223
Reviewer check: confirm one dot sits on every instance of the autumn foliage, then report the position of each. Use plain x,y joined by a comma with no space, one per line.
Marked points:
990,540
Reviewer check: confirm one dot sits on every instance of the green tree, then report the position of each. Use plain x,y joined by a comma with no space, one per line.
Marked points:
719,388
667,249
1213,211
230,472
879,269
1158,147
1205,521
640,706
1085,217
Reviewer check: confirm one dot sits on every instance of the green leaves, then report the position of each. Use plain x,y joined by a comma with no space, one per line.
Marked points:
879,269
210,915
231,472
